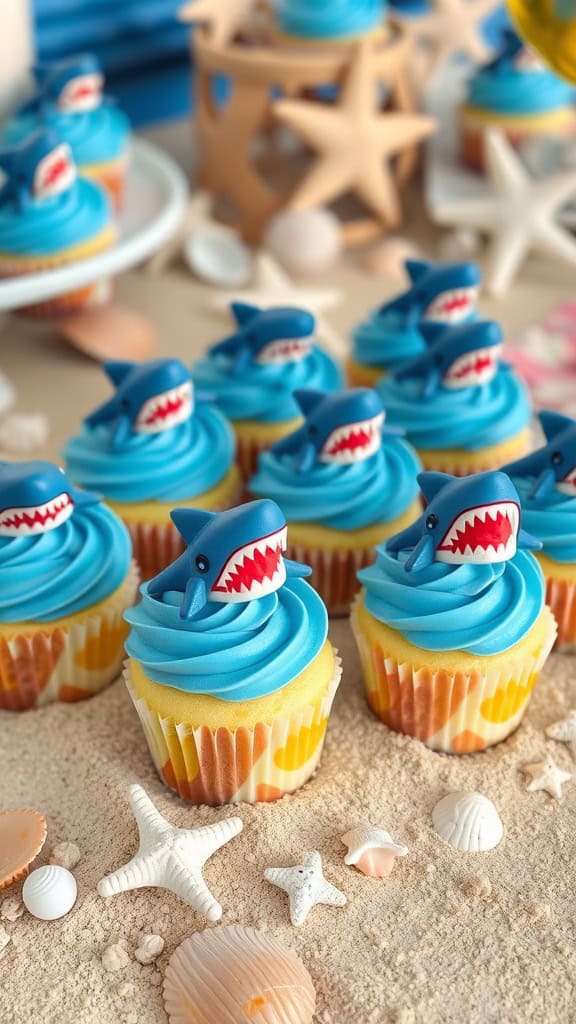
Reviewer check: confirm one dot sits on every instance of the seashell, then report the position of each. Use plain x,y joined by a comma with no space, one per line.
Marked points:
305,241
468,822
49,892
387,259
372,850
22,836
23,432
66,855
109,332
216,255
232,974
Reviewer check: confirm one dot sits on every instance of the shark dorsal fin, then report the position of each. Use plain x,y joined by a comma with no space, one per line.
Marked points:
431,331
189,521
553,423
243,312
308,399
117,370
432,482
416,269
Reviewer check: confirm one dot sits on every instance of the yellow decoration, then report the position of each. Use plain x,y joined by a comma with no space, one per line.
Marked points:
549,26
300,748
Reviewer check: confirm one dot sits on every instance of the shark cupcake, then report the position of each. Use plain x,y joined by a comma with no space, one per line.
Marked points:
151,446
345,482
328,21
445,293
461,406
452,625
66,578
70,99
253,374
546,483
230,668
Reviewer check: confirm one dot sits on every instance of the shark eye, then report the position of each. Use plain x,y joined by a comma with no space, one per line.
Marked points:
312,430
431,521
438,359
202,563
125,403
557,458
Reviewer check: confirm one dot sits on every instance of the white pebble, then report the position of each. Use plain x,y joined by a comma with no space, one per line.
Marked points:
49,892
4,939
305,241
66,855
115,958
150,947
12,908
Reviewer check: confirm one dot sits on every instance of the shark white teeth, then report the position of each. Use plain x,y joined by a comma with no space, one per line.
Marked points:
166,410
55,173
285,350
473,368
253,571
33,519
353,442
452,306
568,484
484,534
82,94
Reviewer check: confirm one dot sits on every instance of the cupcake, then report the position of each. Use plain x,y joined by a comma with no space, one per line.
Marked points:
445,293
518,94
328,21
150,446
50,217
452,627
69,99
344,483
546,483
253,374
230,668
462,408
66,578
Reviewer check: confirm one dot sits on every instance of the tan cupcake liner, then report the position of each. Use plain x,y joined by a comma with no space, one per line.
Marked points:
455,713
224,766
67,662
561,598
333,573
112,178
480,462
472,136
247,451
62,305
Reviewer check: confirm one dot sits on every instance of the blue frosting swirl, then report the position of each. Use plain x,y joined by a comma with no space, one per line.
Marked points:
468,418
325,19
231,651
375,490
48,226
50,575
93,136
511,91
552,519
171,466
387,340
264,392
480,609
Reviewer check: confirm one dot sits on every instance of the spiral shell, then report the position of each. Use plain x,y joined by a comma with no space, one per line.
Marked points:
468,822
232,974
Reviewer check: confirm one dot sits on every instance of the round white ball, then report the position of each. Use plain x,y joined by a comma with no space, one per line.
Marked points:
304,241
49,892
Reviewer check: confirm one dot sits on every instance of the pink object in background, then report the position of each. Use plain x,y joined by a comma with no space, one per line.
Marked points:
545,356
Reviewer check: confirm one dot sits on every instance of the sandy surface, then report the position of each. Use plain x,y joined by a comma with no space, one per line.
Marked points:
450,938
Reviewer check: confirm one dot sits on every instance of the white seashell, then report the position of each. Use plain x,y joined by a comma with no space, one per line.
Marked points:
115,958
22,432
305,241
49,892
468,822
372,850
216,255
150,947
66,855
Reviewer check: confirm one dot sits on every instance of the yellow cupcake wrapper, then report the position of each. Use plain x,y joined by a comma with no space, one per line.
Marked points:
253,437
459,462
263,763
561,597
67,661
361,375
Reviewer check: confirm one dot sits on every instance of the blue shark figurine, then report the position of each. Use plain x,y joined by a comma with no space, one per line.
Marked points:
231,557
150,397
267,336
467,519
36,497
72,85
445,292
342,428
456,357
39,168
554,465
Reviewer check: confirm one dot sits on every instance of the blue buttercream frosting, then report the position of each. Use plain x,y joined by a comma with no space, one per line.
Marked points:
47,226
325,19
264,392
48,576
387,339
480,609
94,136
173,465
512,91
467,418
235,652
551,518
376,490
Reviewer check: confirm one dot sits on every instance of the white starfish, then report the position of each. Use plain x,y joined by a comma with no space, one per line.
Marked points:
565,731
548,776
520,213
306,886
372,850
171,858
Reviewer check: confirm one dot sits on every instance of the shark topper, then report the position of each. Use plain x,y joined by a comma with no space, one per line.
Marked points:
231,557
444,292
341,428
553,466
73,86
456,357
36,497
467,519
150,397
268,337
39,168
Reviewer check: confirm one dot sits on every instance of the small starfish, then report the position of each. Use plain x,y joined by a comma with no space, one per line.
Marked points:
548,776
171,858
372,850
306,886
449,29
565,731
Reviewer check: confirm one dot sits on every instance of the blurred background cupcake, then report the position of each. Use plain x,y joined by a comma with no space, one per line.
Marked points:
328,21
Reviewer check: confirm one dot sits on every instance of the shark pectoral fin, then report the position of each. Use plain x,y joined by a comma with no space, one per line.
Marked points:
296,569
543,484
82,499
305,458
431,383
121,432
528,542
195,597
422,555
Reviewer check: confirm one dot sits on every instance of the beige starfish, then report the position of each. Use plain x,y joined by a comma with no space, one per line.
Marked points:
224,17
451,28
356,142
565,731
548,776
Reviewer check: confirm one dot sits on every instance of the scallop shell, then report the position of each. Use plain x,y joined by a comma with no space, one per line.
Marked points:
232,974
468,822
22,836
215,255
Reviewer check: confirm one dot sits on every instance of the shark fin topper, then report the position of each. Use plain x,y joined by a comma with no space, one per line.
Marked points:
40,168
445,292
36,497
553,466
456,357
267,337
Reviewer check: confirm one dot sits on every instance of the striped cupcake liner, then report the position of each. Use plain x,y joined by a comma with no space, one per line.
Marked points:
334,573
112,177
480,462
63,305
561,598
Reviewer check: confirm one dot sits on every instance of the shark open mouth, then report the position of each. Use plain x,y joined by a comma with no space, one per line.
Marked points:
567,485
165,410
483,534
452,306
353,442
82,94
254,570
285,350
473,368
55,173
33,519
